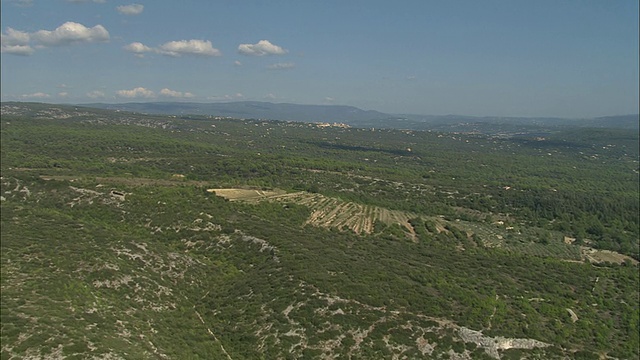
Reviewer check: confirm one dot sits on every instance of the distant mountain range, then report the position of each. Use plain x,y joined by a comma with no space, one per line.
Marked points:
254,110
356,117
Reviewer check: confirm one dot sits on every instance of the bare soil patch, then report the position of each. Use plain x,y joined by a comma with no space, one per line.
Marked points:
245,194
599,256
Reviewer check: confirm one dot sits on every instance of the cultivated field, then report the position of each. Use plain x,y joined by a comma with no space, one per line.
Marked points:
325,211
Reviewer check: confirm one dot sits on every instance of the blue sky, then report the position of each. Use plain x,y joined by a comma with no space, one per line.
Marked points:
491,58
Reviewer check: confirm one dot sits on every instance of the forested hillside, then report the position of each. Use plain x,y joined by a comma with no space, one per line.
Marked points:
138,236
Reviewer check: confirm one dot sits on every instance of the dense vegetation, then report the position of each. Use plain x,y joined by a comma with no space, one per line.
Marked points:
111,244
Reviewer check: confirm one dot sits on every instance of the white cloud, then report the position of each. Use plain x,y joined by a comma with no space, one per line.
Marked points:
135,93
175,94
329,99
23,50
63,94
96,94
281,66
71,33
176,48
16,42
38,95
170,93
138,48
15,37
263,47
270,96
188,47
133,9
237,63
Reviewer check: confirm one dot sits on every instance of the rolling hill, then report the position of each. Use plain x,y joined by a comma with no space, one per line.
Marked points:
126,235
366,118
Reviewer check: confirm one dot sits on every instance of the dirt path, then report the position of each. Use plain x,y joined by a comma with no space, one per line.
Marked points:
213,335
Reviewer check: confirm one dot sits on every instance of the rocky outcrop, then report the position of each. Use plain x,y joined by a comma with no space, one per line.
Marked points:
493,344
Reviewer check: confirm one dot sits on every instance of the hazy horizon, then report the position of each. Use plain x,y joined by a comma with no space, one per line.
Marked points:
222,102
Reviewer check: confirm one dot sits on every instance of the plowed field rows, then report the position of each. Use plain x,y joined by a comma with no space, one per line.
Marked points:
325,211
